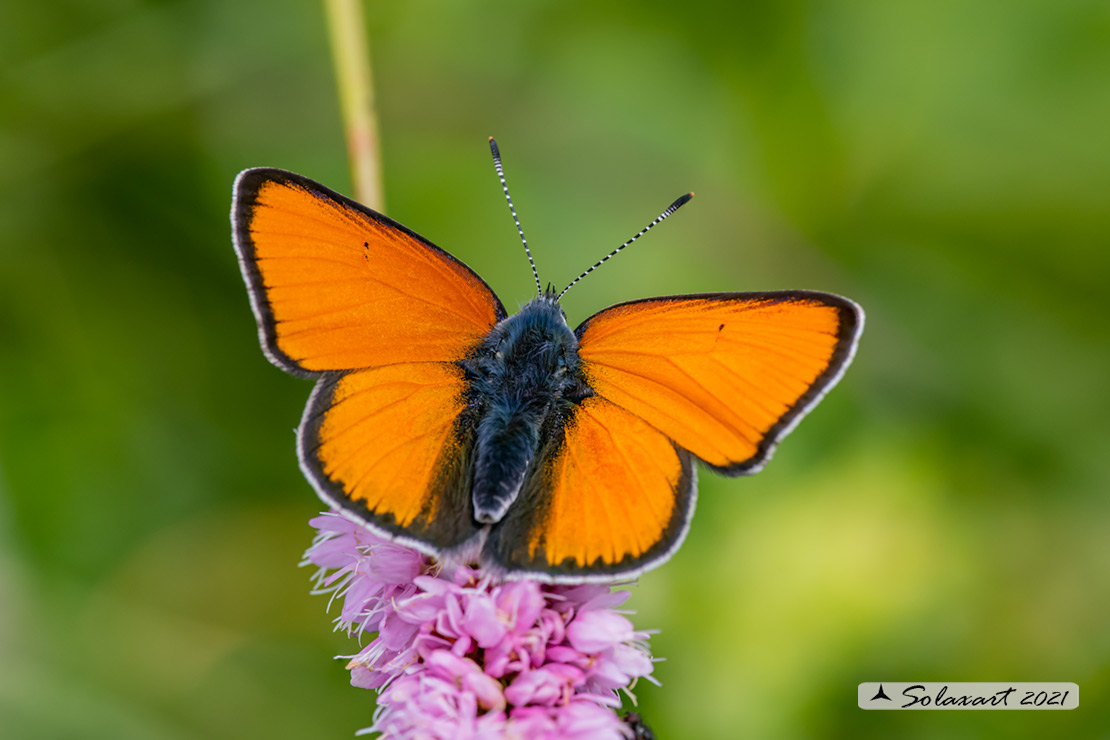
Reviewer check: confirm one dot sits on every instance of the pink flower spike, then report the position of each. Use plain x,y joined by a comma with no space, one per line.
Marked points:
459,654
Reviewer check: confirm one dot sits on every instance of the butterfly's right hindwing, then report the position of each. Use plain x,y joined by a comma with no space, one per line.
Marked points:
610,496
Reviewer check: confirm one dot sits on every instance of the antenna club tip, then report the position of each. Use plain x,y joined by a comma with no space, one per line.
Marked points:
680,201
493,147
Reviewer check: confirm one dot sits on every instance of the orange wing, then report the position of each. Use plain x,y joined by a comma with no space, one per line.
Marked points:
613,496
724,376
721,377
381,316
337,286
390,445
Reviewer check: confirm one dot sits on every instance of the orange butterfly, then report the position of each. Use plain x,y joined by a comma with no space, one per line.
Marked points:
441,422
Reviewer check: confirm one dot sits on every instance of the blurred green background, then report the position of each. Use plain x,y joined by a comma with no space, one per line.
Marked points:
943,515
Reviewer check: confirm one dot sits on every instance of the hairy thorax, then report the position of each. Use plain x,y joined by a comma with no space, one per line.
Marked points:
523,379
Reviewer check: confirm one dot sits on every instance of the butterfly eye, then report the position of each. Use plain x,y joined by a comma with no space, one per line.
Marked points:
560,361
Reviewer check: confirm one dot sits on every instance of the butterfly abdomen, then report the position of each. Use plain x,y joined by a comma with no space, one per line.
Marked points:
507,439
522,372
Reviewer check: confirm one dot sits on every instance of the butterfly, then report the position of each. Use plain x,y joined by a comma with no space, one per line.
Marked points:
441,422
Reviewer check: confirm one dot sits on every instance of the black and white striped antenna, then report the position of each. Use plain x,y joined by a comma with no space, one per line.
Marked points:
679,202
501,176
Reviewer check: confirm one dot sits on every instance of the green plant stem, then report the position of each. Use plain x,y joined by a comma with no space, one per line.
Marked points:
351,53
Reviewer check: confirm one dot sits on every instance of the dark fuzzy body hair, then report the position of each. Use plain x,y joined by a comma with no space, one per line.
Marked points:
523,380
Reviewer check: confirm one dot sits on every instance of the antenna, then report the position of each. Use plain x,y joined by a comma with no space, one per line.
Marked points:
501,176
679,202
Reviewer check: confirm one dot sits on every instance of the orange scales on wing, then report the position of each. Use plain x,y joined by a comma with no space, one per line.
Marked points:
386,430
612,488
342,287
713,374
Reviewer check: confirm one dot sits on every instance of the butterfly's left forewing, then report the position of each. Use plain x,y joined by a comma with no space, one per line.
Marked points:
390,445
337,286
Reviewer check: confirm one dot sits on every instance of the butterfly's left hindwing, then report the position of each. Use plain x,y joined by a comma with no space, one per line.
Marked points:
391,446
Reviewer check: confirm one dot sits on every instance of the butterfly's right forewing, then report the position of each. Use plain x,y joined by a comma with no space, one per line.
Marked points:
724,375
